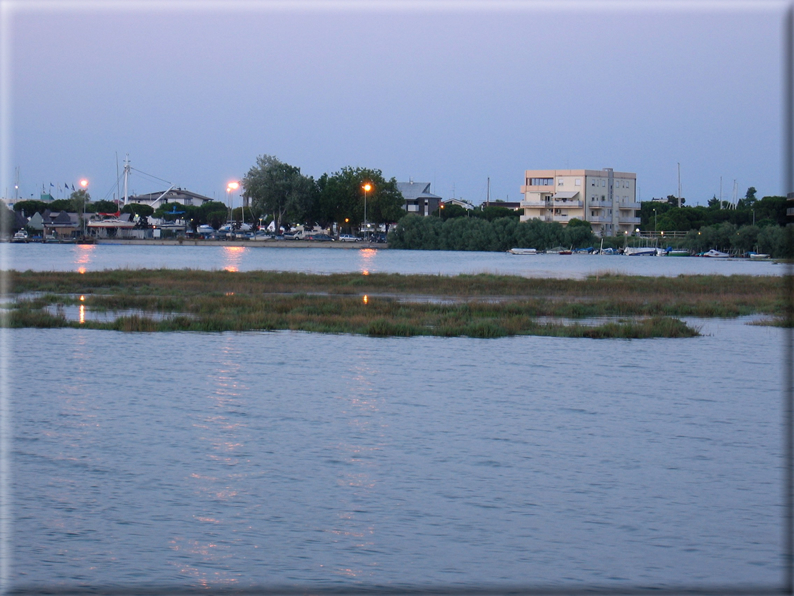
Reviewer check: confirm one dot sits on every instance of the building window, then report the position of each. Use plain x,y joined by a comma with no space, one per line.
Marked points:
578,182
560,181
541,181
603,182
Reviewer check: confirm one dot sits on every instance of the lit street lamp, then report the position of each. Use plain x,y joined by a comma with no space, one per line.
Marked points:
367,187
230,188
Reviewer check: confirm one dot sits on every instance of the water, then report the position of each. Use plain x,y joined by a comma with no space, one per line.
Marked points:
71,257
292,458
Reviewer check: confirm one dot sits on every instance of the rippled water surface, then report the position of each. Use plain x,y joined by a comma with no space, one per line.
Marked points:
294,458
73,257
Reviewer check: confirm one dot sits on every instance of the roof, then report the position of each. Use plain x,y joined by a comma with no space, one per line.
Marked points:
174,194
412,191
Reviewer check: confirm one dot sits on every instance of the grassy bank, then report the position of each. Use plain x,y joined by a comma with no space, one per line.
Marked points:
395,305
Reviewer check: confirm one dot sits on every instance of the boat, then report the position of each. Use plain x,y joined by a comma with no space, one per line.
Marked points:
21,236
678,252
758,256
205,229
641,251
716,254
523,251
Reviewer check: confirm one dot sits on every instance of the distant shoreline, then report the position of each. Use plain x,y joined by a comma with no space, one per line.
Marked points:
243,243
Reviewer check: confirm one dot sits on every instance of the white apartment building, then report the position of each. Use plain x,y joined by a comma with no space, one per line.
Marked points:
604,198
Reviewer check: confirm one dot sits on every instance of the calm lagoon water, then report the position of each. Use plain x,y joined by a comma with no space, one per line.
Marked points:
71,257
292,458
242,459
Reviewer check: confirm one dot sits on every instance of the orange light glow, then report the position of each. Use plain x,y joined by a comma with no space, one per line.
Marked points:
230,293
82,298
365,272
231,269
366,299
82,314
84,183
81,270
367,187
233,186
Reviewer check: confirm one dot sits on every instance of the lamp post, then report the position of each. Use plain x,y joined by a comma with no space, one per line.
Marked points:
230,188
84,186
367,187
654,222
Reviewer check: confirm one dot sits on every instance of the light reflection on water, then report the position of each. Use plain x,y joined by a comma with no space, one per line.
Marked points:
277,458
233,257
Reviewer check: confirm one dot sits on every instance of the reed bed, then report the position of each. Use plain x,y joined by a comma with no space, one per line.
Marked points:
486,306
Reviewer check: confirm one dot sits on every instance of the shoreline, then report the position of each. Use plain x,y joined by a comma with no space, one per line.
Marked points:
242,243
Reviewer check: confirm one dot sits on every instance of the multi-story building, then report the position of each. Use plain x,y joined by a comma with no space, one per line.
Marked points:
418,198
604,198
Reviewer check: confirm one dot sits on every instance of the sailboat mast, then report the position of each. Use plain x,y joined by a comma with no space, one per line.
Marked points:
488,195
126,176
679,185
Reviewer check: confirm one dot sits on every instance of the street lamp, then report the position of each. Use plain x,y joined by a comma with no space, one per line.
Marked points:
367,187
230,188
654,222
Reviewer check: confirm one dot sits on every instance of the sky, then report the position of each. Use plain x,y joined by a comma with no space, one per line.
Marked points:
450,93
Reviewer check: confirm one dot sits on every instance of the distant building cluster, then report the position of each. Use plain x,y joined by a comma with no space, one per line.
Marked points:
605,199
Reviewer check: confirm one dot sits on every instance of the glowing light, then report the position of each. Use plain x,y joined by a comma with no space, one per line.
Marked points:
233,186
82,314
81,270
231,269
230,293
366,299
84,183
367,187
82,298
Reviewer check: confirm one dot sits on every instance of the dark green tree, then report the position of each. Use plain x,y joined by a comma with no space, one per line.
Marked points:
341,197
279,188
78,200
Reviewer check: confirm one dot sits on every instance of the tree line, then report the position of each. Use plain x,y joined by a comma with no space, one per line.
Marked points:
659,216
478,233
348,197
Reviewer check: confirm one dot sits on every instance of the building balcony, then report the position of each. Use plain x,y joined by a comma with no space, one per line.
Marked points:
633,206
535,204
567,204
628,220
599,219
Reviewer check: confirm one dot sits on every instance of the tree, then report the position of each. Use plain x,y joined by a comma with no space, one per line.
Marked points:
278,188
137,209
341,197
78,200
750,194
493,212
103,207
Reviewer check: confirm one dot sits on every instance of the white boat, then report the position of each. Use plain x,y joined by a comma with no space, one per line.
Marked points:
21,236
639,251
758,255
523,251
205,229
716,254
678,252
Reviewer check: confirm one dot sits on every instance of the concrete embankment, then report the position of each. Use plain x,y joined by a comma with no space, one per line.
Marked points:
246,243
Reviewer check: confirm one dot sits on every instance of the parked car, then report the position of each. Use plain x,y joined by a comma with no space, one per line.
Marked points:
348,238
319,237
380,238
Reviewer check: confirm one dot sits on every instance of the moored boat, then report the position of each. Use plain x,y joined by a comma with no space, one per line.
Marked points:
523,251
639,251
716,254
